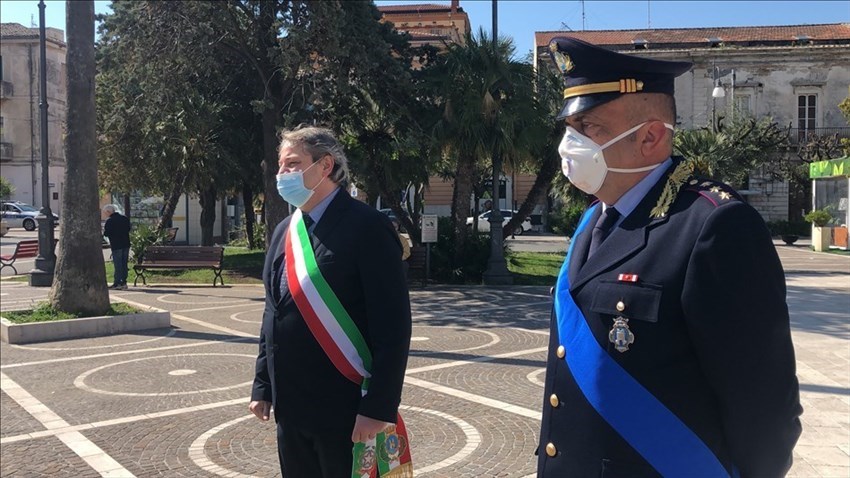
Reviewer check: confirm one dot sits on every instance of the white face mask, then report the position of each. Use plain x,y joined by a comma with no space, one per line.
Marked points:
583,162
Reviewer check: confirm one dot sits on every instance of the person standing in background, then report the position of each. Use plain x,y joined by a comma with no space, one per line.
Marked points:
117,230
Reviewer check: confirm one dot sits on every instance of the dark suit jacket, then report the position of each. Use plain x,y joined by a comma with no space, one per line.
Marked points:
359,254
711,337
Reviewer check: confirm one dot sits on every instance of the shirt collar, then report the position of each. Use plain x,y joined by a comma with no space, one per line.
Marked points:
629,201
317,212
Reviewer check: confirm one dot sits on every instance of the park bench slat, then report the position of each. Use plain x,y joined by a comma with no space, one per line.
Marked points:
181,257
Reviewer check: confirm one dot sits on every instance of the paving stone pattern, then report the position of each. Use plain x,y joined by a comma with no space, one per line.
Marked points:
173,402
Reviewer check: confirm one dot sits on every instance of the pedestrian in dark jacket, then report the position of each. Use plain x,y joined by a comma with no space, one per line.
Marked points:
117,230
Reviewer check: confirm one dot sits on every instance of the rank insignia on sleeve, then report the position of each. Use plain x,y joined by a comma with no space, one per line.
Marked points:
725,195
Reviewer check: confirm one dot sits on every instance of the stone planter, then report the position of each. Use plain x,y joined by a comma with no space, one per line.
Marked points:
790,239
80,328
821,238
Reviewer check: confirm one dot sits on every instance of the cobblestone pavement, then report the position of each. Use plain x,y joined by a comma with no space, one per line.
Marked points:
173,402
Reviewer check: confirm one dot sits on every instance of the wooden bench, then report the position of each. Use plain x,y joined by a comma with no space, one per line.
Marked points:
180,257
416,261
23,250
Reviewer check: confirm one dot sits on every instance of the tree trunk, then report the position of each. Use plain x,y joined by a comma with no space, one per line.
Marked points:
460,203
79,284
171,201
248,201
207,199
127,211
276,208
548,169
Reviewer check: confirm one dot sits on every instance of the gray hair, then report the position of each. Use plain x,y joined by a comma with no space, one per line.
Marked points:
110,208
317,142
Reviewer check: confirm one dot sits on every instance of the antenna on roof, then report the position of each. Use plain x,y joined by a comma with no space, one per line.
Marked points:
648,15
583,26
564,26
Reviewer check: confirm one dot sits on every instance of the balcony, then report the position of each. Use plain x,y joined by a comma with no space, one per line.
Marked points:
6,151
6,89
800,136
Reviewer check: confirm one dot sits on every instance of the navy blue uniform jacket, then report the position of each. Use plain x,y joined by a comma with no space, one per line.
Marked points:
711,337
359,255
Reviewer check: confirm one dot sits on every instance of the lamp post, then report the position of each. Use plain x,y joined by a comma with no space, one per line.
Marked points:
497,269
45,262
718,92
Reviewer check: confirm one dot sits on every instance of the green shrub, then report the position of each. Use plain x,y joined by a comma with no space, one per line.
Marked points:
143,235
470,268
564,219
6,188
819,217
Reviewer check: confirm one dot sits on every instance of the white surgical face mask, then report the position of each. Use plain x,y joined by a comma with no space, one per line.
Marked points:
583,162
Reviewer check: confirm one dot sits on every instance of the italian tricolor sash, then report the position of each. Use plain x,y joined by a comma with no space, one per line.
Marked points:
388,455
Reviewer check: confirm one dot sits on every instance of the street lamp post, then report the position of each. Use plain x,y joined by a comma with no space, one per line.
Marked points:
45,262
497,269
718,92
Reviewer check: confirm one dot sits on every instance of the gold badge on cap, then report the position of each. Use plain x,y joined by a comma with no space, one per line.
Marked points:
620,335
564,62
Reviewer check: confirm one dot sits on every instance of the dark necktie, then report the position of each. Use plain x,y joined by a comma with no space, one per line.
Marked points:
602,229
308,221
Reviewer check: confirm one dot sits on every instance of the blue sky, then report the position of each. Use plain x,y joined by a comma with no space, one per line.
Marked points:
520,19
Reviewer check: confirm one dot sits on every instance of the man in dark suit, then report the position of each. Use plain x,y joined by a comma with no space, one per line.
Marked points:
670,351
320,412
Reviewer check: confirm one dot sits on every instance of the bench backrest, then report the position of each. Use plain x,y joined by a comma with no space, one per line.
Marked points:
417,257
28,248
165,254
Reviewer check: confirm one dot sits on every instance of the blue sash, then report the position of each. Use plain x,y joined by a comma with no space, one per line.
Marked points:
663,440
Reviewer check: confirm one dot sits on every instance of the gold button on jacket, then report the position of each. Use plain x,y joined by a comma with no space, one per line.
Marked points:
551,450
553,400
621,306
561,351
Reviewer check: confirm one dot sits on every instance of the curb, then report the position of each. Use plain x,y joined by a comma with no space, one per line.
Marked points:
81,328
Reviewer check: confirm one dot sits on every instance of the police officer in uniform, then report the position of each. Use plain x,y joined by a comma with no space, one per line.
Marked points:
670,350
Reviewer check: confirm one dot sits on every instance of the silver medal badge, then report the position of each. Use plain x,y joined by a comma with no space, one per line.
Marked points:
620,335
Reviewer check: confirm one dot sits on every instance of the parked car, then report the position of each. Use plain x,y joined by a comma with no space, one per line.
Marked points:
18,214
484,222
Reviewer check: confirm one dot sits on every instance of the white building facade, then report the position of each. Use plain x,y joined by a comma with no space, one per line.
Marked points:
20,135
797,75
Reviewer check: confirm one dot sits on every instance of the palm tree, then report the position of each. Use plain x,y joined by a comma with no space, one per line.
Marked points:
79,284
488,110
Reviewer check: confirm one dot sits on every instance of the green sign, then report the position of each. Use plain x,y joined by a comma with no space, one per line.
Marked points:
830,169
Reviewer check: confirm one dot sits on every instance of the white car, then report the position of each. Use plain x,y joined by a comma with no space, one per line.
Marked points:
484,222
18,214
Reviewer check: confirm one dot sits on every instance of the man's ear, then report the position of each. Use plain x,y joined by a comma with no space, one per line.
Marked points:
655,141
330,167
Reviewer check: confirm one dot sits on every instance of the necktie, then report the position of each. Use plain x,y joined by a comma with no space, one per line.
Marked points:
308,221
603,228
284,287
